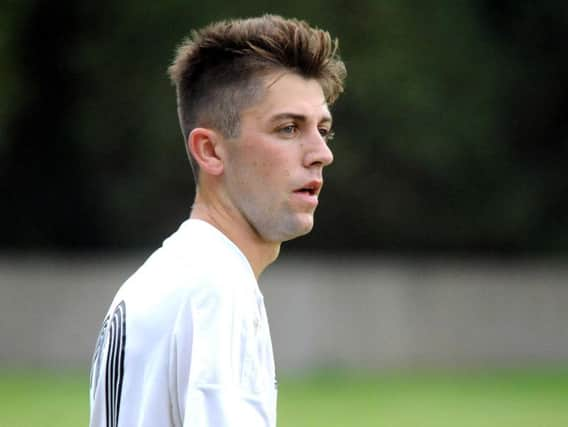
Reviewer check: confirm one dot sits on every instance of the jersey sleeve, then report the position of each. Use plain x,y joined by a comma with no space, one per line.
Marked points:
107,372
213,362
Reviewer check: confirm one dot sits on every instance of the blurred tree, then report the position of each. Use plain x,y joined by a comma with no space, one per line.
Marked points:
452,134
535,118
49,200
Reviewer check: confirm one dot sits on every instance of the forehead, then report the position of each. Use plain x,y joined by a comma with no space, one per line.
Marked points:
286,92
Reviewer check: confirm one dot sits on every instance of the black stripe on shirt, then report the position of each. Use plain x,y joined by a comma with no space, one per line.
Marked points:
115,363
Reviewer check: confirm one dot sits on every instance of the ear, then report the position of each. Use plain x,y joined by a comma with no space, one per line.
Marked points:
205,147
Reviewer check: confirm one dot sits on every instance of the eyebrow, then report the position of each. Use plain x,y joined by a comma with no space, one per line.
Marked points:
299,117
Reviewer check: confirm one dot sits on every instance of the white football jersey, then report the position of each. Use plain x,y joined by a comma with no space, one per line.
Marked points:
186,341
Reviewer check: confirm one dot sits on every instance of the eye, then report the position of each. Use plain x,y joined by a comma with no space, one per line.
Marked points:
288,130
326,134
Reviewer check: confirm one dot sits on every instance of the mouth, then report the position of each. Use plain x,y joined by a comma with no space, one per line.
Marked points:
311,188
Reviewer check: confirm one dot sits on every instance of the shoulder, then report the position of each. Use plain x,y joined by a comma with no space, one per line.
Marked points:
197,262
208,256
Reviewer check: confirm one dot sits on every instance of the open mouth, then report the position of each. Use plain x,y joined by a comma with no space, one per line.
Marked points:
309,191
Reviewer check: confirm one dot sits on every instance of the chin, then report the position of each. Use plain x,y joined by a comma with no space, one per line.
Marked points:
300,228
286,228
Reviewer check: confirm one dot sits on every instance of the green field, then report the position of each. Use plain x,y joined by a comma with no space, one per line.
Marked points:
498,399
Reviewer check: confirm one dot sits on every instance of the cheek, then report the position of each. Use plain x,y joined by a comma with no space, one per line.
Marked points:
271,172
268,163
270,168
261,167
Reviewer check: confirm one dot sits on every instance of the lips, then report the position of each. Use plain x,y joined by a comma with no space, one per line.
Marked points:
311,188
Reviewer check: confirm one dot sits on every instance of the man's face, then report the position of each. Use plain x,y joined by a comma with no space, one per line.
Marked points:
273,173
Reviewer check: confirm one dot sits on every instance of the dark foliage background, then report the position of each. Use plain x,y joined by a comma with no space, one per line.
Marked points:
452,136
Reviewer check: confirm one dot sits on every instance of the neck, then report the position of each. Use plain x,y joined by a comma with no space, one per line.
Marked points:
259,253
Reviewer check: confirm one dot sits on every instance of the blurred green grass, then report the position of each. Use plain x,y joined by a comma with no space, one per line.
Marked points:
421,399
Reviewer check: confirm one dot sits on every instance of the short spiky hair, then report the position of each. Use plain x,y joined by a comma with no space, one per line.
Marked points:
216,71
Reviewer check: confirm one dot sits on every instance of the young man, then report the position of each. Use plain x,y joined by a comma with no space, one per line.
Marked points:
186,339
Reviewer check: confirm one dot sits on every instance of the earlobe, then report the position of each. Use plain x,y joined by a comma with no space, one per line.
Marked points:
204,145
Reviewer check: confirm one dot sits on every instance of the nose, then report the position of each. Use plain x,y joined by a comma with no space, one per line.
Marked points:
317,151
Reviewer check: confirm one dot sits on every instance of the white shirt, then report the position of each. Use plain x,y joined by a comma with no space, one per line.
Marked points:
186,341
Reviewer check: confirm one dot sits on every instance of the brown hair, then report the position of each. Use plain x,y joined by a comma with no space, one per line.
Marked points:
216,71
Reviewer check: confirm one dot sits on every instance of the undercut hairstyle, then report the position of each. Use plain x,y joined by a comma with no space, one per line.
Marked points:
218,71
